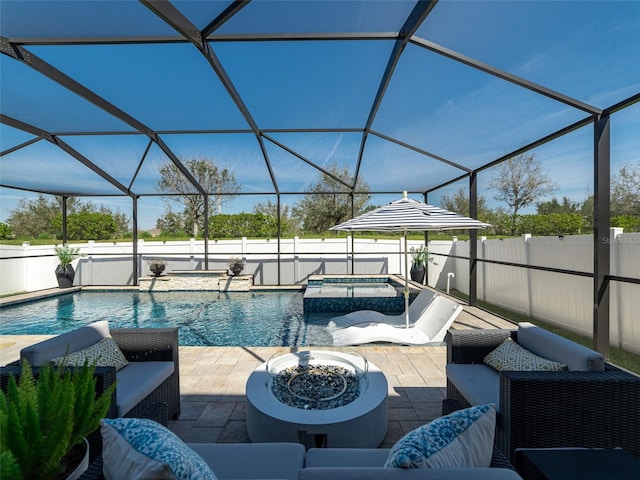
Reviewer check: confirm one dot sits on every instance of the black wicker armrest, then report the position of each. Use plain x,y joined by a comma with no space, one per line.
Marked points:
471,346
147,344
580,409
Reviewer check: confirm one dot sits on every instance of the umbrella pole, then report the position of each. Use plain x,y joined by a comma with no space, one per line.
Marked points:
406,282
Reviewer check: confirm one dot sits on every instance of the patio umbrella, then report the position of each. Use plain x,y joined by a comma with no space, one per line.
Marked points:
407,215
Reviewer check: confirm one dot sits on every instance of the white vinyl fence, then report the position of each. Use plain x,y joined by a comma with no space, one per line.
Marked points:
558,298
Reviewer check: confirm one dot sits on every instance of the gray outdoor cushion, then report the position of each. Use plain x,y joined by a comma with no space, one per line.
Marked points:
346,457
478,383
252,460
559,349
354,473
137,380
43,352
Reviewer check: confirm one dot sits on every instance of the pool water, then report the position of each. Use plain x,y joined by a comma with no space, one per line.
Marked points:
205,318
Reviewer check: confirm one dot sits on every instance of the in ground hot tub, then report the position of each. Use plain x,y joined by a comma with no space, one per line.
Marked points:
318,398
344,294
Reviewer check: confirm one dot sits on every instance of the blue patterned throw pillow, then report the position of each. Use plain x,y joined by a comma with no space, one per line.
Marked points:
462,439
511,356
135,448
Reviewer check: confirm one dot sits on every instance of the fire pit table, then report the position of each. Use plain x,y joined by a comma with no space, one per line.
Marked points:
318,398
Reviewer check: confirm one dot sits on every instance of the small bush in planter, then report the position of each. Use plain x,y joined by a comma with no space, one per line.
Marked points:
42,419
66,255
64,271
420,256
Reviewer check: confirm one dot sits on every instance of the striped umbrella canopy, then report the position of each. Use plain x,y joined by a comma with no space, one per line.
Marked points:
406,215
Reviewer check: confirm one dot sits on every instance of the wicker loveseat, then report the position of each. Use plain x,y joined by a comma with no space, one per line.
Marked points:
593,404
152,375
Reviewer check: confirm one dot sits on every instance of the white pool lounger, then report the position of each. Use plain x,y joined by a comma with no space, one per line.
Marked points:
430,316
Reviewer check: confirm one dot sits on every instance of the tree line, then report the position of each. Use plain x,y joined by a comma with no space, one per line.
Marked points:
518,183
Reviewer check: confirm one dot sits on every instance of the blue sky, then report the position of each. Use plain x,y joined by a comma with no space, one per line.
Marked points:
586,50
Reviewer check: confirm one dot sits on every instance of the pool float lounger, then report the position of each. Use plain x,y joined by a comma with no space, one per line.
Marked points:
430,316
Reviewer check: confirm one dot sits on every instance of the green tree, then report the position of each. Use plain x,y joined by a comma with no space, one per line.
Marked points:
625,190
5,231
171,223
42,218
586,211
219,183
256,225
553,206
31,218
270,209
550,224
458,202
520,181
502,223
91,226
630,223
329,202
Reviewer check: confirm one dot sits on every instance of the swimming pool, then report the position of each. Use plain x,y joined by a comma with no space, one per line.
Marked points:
270,318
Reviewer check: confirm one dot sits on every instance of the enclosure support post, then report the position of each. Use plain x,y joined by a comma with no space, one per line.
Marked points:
64,219
601,231
473,240
426,244
279,235
134,224
353,242
206,231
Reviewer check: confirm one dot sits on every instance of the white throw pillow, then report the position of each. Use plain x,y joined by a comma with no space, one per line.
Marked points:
462,439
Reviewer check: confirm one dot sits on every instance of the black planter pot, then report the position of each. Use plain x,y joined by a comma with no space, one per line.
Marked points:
156,268
236,268
418,273
65,276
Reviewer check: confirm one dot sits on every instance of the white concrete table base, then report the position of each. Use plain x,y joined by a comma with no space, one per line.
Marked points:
360,424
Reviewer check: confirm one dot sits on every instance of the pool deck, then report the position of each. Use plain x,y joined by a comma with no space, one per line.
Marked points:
212,381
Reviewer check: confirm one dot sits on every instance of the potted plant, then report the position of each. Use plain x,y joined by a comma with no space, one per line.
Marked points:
419,259
157,266
236,265
64,271
44,421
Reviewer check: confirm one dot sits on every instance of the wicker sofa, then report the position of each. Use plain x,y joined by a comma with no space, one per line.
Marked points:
592,404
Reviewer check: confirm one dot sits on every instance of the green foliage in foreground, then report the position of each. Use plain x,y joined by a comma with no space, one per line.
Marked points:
40,420
617,356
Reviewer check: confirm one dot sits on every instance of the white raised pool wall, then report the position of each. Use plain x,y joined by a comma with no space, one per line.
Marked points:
557,298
